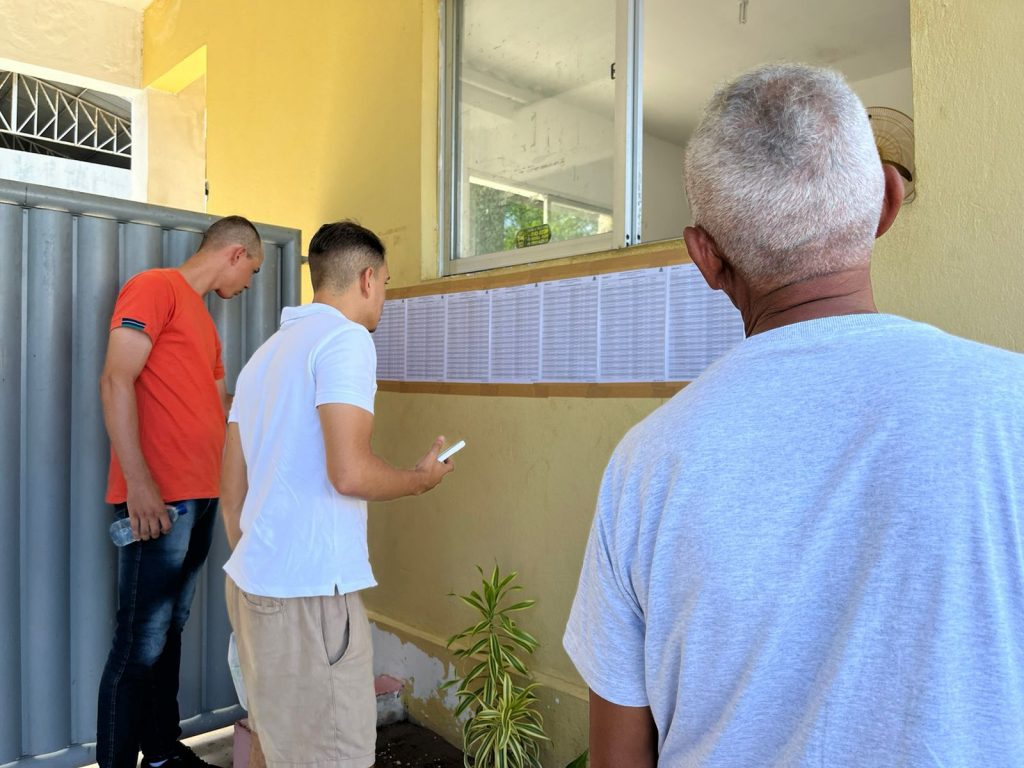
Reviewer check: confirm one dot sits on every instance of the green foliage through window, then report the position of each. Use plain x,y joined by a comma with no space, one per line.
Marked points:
496,216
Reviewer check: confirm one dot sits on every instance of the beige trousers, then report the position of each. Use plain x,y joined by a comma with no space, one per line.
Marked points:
307,663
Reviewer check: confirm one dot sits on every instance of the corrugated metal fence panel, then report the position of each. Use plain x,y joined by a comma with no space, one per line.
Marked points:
10,482
97,276
45,486
63,258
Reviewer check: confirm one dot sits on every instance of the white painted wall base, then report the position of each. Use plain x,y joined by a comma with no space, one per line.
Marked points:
422,673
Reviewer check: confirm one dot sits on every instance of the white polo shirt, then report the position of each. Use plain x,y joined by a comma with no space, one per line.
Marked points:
300,537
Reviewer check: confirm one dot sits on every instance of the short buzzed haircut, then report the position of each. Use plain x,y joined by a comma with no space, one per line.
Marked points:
231,230
339,252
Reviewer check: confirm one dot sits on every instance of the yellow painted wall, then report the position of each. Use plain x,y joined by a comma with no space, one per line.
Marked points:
955,258
89,38
325,109
314,110
177,146
522,495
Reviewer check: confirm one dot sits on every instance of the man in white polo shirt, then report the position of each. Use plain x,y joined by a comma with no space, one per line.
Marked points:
298,471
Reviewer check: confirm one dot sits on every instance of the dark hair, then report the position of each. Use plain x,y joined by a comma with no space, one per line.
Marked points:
340,251
229,231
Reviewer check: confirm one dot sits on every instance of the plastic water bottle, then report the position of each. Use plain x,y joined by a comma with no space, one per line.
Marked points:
121,530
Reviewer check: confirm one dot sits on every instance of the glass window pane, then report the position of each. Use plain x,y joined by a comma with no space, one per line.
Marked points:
569,220
868,41
536,123
499,214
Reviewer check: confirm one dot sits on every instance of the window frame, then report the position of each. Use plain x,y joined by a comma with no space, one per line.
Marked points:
626,163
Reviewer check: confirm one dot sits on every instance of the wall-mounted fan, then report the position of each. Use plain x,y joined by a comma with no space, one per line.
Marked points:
894,137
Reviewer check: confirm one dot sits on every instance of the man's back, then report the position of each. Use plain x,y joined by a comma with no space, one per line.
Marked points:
180,412
813,555
302,536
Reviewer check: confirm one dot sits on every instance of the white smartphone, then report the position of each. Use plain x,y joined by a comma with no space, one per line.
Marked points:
451,450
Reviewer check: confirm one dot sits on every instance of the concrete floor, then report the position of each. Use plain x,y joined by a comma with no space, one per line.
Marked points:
400,744
215,747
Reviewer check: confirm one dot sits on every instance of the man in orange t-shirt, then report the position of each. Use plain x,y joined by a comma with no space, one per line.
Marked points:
164,406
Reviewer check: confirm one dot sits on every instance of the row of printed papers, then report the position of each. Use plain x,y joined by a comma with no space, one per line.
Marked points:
658,324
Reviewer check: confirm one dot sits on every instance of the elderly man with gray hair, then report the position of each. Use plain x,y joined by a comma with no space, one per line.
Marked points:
814,553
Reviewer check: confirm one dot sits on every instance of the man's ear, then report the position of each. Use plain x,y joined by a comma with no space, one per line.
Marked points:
703,252
893,200
365,280
236,252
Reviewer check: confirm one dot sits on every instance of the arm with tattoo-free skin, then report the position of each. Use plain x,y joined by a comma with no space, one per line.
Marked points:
225,398
127,352
355,470
234,484
621,736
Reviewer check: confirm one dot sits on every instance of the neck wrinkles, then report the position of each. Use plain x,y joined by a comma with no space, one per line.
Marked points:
841,293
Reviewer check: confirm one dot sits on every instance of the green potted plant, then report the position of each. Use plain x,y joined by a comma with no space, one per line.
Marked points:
504,729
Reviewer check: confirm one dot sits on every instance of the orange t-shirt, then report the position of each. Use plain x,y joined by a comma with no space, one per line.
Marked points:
181,419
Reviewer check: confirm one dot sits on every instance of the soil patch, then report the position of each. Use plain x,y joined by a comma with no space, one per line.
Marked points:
405,745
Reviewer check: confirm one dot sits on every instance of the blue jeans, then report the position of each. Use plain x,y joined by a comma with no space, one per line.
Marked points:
156,579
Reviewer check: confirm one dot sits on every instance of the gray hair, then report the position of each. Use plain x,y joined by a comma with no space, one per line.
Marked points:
783,173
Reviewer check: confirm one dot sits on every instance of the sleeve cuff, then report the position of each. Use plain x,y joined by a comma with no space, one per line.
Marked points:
345,398
607,689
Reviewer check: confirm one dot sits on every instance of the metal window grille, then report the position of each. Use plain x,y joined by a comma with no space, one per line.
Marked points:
40,116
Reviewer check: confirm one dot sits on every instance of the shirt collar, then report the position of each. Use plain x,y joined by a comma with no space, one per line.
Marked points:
290,314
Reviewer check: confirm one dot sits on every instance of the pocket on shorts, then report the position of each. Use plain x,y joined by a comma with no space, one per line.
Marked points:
345,630
260,604
335,627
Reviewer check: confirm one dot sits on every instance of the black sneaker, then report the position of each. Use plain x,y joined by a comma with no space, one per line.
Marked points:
180,756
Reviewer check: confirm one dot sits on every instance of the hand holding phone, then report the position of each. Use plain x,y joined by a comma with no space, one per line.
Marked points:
432,468
450,451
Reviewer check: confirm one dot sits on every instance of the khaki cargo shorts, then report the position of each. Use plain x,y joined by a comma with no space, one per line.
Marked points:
307,663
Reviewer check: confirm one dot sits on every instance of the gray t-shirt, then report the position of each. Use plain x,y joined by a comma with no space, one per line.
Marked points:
814,555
